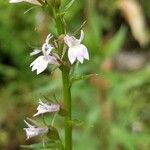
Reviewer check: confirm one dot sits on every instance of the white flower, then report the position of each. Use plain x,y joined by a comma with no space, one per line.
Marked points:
28,1
45,108
41,63
32,130
76,49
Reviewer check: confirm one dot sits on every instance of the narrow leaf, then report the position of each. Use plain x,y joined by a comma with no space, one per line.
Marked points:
84,77
115,43
69,4
79,29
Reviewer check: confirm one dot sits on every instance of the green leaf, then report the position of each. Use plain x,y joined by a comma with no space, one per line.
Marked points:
34,122
93,33
79,29
84,77
77,122
115,43
48,99
69,4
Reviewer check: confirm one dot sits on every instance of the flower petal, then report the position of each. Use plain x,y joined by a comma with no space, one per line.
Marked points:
71,55
35,52
80,52
40,64
46,48
84,51
52,60
48,38
80,59
68,40
81,36
29,1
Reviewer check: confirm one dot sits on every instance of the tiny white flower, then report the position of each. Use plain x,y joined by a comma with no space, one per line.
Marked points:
45,108
36,2
76,49
41,63
32,130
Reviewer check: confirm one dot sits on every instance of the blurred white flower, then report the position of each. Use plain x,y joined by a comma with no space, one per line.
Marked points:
32,130
36,2
45,108
35,52
41,63
76,49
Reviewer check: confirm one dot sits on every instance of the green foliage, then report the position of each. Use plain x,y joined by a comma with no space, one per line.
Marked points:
114,45
110,111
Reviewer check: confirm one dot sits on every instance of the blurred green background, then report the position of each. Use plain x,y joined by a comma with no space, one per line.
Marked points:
113,109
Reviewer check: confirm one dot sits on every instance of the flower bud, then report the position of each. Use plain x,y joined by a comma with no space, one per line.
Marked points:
53,133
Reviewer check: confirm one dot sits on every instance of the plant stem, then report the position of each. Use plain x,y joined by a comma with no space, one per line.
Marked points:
66,83
67,102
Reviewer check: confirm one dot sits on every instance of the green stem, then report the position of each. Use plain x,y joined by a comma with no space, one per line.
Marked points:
66,83
67,102
60,29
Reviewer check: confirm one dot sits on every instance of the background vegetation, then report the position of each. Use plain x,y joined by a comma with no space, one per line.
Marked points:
111,111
